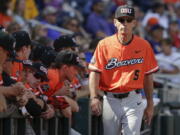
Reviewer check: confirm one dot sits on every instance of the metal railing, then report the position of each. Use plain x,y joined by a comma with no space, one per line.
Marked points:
15,124
169,92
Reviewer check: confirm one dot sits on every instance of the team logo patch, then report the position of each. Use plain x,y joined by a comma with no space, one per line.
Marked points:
113,63
43,69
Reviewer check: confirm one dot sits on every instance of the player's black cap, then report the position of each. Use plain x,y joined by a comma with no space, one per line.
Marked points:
7,41
37,52
48,57
40,69
64,41
22,39
67,57
125,10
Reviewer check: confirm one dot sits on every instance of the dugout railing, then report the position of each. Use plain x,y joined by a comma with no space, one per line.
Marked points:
168,118
83,122
15,124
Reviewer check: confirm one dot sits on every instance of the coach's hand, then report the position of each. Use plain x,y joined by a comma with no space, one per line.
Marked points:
148,113
96,106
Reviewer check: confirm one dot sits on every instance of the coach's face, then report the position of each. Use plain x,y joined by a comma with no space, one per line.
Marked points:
125,25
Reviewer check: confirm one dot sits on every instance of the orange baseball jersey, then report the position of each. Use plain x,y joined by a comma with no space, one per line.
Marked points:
123,67
54,83
16,72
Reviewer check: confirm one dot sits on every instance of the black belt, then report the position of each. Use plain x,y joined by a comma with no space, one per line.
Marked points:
123,95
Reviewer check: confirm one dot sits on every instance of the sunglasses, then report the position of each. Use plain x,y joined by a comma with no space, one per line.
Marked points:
122,20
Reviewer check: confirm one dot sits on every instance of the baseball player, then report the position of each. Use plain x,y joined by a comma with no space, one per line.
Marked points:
7,44
35,73
23,49
60,76
122,66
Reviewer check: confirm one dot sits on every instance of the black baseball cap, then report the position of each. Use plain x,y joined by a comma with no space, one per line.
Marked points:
22,39
39,69
7,41
64,41
125,10
48,57
67,57
37,51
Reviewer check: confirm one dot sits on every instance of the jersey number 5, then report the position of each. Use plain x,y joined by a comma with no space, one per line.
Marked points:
136,74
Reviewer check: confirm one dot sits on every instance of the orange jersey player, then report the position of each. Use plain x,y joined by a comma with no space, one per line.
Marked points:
35,74
58,85
7,45
54,84
122,66
65,69
23,49
16,71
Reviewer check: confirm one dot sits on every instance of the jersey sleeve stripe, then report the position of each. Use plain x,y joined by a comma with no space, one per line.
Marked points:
93,68
152,70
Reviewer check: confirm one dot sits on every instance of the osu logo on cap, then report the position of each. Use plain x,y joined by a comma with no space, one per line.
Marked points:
43,69
126,10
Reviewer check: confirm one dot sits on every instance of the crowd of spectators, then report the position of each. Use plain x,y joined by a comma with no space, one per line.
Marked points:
41,62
